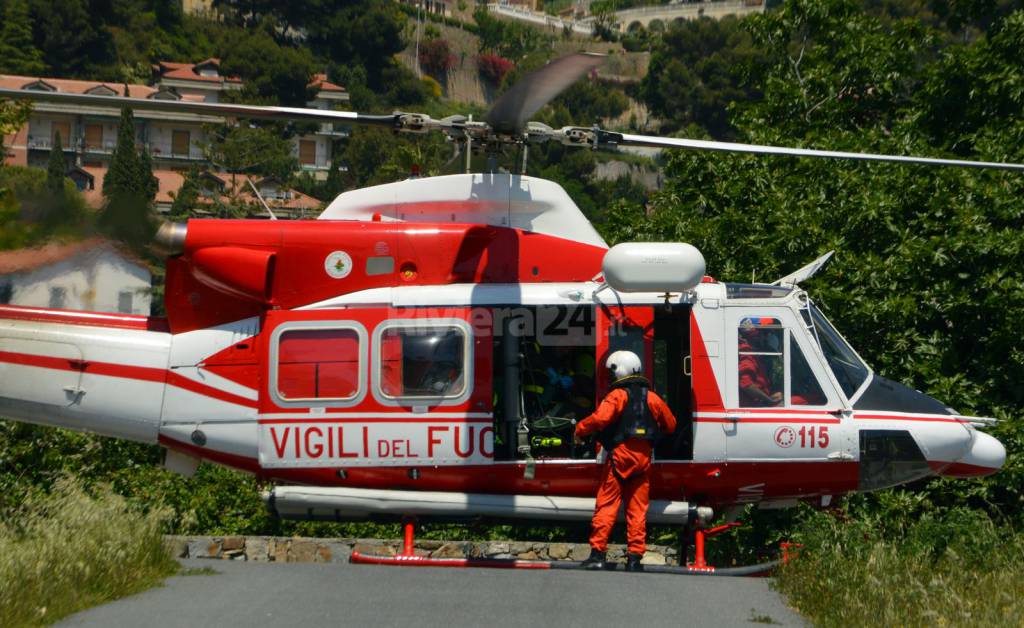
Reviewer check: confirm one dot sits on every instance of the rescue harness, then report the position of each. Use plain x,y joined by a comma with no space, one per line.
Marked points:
636,421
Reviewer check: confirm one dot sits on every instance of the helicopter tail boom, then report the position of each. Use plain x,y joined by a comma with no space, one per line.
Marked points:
91,372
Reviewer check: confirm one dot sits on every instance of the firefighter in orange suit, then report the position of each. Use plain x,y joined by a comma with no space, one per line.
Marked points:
627,423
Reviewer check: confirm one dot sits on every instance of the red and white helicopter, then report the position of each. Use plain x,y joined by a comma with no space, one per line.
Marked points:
422,349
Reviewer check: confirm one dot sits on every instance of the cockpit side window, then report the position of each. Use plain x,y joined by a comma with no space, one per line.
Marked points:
805,390
772,369
761,364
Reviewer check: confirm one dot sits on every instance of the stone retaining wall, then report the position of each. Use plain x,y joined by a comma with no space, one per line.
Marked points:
330,550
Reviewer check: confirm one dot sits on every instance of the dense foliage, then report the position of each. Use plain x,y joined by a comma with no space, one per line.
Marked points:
697,70
32,212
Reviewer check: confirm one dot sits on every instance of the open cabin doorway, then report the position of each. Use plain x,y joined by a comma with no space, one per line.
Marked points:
544,379
671,377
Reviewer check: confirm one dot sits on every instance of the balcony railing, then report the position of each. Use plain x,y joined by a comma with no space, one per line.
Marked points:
165,150
318,164
45,143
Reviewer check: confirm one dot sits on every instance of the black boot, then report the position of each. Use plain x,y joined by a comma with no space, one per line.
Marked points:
595,561
633,562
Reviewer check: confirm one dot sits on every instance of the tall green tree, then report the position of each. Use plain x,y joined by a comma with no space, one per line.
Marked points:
186,198
129,188
55,168
272,73
18,53
250,150
72,40
698,68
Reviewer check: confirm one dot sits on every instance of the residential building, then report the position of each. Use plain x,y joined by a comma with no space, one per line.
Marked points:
436,7
95,275
215,188
174,139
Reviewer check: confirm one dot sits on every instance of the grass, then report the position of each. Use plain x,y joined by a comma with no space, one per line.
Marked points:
69,550
951,569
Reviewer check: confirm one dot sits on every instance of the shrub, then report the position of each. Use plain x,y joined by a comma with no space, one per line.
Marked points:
433,87
436,56
494,68
67,550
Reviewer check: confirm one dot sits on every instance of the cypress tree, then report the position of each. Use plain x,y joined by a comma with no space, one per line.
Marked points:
122,178
18,54
128,188
149,185
187,197
55,169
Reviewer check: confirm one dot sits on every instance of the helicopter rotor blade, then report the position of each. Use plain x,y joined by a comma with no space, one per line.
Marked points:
509,114
297,114
599,138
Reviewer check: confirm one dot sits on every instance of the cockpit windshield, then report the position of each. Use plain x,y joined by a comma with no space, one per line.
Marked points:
848,368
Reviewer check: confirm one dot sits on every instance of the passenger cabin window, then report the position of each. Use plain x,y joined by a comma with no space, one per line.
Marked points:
423,362
772,370
318,364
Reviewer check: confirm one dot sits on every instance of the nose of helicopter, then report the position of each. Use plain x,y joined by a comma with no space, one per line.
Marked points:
985,456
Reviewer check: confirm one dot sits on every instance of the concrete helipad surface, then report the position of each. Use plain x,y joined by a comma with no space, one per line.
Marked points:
254,595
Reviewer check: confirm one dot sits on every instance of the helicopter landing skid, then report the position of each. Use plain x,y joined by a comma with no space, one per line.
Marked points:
409,558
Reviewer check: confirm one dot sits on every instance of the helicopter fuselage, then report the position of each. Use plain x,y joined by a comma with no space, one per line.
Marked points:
449,345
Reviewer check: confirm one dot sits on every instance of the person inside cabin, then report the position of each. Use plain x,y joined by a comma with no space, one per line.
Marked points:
536,390
756,384
628,422
583,384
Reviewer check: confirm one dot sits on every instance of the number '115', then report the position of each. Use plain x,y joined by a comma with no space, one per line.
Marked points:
807,437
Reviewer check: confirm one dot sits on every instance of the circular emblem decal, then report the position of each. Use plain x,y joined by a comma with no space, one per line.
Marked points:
338,264
785,437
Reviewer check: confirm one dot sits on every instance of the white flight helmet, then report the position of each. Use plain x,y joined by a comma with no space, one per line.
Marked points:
623,364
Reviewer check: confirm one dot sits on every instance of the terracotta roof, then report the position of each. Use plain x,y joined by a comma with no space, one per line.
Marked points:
167,181
298,200
321,83
9,81
71,86
22,260
188,72
170,181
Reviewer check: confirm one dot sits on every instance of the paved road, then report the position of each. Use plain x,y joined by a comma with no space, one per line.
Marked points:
256,595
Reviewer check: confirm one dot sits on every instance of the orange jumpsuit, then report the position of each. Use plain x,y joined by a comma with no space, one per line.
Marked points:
626,471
